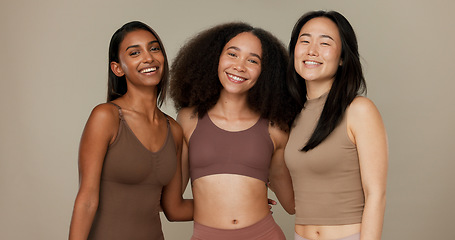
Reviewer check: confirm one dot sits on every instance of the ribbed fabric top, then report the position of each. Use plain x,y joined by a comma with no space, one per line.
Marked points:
213,150
326,179
130,189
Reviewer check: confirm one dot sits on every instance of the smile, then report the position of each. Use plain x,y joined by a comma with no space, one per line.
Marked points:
235,78
311,63
148,70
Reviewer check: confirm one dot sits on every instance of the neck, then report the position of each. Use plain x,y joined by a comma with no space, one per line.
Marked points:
316,89
232,106
140,103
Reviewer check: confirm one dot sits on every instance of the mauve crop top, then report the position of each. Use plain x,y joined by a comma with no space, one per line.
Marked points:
213,150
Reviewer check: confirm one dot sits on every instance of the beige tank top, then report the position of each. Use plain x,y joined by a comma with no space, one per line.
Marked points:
326,179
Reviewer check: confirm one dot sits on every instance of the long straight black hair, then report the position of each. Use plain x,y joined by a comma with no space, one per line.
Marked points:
349,80
117,85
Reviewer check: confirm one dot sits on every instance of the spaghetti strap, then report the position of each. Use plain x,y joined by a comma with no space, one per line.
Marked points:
119,110
167,120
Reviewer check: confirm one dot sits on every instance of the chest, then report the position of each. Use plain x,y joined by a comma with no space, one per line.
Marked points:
335,155
128,161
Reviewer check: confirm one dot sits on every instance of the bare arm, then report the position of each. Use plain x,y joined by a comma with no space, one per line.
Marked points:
279,177
188,120
367,130
174,206
185,165
99,131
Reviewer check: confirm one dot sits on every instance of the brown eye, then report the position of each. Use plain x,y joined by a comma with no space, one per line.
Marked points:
253,61
134,53
155,49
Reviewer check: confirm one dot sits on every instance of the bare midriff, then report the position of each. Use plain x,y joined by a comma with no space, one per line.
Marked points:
327,232
229,201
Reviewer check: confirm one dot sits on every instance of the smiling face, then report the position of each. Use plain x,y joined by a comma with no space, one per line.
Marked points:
240,63
318,50
140,59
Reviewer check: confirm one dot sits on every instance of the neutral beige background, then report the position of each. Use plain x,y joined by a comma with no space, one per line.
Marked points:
53,69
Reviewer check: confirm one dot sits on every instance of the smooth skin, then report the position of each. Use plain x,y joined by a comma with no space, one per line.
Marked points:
139,54
230,201
317,57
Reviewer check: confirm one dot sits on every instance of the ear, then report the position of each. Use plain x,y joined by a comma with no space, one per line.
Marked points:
117,69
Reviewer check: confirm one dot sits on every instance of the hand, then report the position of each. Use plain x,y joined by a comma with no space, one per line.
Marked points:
271,202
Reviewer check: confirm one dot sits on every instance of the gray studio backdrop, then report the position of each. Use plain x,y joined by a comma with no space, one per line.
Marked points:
54,70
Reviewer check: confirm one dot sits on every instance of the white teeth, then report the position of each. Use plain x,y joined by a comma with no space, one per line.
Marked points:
236,78
147,70
311,63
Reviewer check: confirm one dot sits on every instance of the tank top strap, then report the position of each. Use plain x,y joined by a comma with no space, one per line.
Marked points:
167,121
120,114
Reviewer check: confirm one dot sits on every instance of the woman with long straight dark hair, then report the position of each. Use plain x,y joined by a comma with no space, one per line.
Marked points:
337,150
130,151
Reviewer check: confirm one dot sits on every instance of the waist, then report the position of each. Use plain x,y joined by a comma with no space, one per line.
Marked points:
265,228
229,201
327,231
329,207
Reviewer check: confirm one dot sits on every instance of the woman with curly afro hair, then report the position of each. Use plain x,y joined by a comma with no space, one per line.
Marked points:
229,86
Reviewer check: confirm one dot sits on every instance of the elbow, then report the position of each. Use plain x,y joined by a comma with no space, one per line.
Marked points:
290,210
86,203
378,195
175,217
171,214
171,218
377,198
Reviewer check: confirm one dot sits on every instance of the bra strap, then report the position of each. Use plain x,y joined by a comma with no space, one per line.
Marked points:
119,110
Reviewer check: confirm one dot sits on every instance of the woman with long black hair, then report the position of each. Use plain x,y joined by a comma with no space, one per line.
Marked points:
337,150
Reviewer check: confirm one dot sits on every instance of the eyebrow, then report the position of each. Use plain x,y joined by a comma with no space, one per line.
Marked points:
135,46
322,36
238,49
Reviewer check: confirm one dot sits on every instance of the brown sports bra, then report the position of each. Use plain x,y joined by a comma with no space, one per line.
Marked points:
213,150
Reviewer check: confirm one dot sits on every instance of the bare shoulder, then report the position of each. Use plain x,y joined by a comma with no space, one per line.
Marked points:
363,114
176,129
102,124
186,114
187,119
361,106
175,126
278,135
105,113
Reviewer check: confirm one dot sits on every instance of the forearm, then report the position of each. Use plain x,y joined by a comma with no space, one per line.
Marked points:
373,217
182,211
282,187
81,221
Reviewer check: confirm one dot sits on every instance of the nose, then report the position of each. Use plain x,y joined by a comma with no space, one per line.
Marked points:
312,49
148,57
239,66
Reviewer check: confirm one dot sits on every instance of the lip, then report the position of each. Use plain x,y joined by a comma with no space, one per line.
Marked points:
235,78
